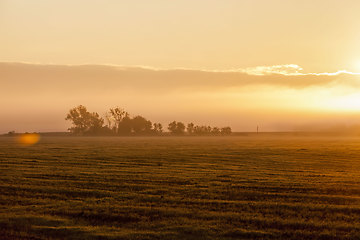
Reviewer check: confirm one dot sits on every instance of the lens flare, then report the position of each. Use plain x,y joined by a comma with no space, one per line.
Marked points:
29,138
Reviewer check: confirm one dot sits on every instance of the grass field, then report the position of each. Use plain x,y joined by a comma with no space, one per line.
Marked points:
243,187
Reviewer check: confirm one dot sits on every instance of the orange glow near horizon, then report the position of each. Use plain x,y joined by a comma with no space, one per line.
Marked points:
29,139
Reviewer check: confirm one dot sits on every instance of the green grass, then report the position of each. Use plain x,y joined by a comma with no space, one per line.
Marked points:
244,187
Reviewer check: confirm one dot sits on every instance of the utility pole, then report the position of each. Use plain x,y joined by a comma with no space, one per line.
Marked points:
257,129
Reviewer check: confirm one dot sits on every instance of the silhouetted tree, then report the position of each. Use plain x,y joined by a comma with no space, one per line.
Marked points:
119,122
215,131
202,130
125,126
190,128
80,118
207,130
176,128
197,130
157,128
96,124
226,130
117,115
140,125
84,121
172,127
109,120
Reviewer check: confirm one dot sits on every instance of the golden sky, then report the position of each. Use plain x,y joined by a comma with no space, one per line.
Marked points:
278,98
283,65
320,36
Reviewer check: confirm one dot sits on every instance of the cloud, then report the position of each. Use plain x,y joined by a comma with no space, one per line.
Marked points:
286,69
21,77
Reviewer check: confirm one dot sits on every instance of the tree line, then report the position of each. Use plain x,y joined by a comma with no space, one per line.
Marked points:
117,121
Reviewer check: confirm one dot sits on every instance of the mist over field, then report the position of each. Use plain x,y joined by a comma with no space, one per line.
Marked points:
278,98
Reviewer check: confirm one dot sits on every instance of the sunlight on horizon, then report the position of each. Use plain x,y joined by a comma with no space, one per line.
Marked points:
349,103
28,139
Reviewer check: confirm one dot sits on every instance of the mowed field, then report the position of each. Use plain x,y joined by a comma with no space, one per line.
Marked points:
239,187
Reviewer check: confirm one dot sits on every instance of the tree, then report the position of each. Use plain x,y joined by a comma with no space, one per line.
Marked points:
176,128
180,128
109,120
226,130
96,124
116,116
157,128
140,125
80,118
172,127
215,131
190,128
119,122
200,130
83,121
125,126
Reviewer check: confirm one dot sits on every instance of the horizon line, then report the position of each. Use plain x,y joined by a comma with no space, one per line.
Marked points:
261,70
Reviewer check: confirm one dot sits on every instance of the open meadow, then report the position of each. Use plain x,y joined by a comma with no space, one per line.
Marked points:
240,187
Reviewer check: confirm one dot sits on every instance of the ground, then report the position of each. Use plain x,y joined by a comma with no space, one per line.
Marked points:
241,187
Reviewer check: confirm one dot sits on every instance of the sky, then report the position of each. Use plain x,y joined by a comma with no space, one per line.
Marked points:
282,65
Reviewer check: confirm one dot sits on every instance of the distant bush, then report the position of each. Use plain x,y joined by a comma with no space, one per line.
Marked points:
11,133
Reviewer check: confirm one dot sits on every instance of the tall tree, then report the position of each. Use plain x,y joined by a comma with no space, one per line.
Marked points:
141,126
180,128
172,127
125,126
117,114
158,128
80,118
96,124
109,120
190,128
83,121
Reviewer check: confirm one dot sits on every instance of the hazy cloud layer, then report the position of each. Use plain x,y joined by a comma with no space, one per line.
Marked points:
33,77
36,97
